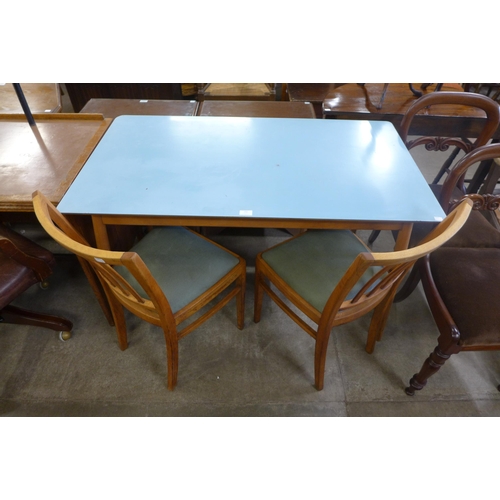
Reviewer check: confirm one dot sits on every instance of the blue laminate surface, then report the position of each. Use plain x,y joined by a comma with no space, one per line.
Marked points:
255,167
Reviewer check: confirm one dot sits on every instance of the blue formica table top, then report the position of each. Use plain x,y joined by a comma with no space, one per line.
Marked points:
276,168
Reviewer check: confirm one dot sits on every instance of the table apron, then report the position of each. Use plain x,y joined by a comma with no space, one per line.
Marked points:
101,221
255,222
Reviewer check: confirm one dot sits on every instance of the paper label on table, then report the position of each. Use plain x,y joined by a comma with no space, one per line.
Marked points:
438,218
246,212
143,100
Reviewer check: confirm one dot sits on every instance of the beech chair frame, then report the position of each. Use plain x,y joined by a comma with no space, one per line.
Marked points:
154,309
377,294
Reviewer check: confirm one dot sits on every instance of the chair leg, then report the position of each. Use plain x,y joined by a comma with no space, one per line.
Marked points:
410,283
431,365
373,236
259,293
118,319
240,300
379,320
172,346
18,316
320,350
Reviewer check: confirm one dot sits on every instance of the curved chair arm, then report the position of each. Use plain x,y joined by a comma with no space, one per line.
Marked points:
41,268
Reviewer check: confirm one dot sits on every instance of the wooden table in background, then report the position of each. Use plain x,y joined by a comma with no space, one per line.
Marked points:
263,109
315,93
111,108
47,157
41,98
358,102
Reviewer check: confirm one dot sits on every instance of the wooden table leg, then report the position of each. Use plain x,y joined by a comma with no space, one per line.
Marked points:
403,239
101,233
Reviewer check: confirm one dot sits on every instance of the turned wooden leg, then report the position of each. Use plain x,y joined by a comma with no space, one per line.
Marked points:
431,365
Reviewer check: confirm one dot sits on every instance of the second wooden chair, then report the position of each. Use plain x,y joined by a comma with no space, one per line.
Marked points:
332,277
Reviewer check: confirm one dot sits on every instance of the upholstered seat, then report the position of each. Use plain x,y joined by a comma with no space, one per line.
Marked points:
185,266
16,277
471,296
476,232
24,263
314,264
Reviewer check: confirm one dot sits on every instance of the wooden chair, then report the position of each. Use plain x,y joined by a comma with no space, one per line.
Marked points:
442,144
461,280
333,278
23,263
164,279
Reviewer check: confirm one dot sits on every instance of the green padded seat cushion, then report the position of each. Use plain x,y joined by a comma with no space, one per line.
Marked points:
313,263
183,264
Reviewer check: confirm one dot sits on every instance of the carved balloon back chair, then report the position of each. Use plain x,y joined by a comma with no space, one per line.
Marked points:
461,280
433,143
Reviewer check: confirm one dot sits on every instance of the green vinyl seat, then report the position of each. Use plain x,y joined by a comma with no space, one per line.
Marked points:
314,264
184,265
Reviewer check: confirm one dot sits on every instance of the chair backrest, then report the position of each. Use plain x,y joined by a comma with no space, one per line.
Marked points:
393,267
480,101
481,201
154,308
462,100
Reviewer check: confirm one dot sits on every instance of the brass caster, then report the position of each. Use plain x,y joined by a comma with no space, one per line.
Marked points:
64,336
44,285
